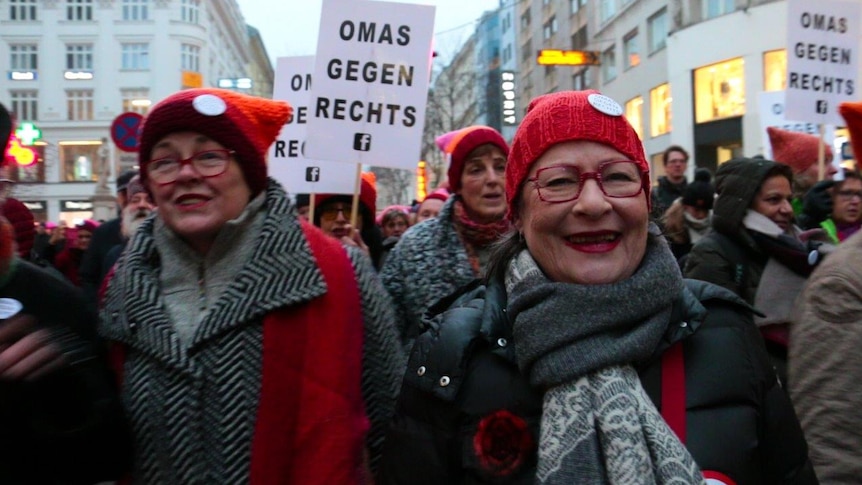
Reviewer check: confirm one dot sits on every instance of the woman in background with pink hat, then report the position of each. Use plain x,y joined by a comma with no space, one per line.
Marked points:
251,347
584,357
437,256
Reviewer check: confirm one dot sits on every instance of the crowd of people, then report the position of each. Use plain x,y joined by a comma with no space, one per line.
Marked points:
549,314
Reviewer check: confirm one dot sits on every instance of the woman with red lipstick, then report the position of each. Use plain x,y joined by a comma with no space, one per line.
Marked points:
583,356
754,248
250,346
437,256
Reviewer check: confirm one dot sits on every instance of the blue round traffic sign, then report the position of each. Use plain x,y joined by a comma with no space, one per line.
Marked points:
125,131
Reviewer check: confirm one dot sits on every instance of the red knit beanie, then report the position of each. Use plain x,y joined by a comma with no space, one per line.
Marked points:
569,116
246,124
367,195
852,114
465,141
799,150
22,221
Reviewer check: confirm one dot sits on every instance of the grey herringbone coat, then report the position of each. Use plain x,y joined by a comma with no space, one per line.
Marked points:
428,263
193,406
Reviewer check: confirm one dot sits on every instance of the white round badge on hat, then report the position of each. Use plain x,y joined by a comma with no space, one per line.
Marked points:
9,307
605,105
209,105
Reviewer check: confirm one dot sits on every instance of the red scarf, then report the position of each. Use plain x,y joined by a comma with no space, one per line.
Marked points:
476,235
311,421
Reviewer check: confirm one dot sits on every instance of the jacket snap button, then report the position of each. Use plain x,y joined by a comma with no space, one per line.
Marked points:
683,324
420,371
502,342
444,381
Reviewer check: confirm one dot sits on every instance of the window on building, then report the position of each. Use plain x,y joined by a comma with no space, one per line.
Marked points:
574,6
190,58
527,50
579,39
507,22
136,9
136,56
715,8
607,9
588,77
634,113
609,64
630,50
584,3
660,110
525,19
657,30
719,91
80,160
190,11
79,104
23,57
507,53
775,70
136,100
25,105
550,27
23,10
79,10
79,57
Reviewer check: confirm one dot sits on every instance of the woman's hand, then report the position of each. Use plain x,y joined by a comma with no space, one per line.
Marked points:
27,352
353,238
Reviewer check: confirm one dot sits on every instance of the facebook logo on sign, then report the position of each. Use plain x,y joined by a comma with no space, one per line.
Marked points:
822,107
362,142
312,174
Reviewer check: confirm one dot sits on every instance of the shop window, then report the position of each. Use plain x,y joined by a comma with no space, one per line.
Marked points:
660,110
80,160
775,70
630,50
719,91
609,65
634,113
657,30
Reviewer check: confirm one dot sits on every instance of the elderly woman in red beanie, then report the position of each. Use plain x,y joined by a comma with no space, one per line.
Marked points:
584,357
437,256
251,346
332,215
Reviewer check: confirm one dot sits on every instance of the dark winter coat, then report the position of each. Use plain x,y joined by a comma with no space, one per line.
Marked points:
462,373
664,194
93,268
68,427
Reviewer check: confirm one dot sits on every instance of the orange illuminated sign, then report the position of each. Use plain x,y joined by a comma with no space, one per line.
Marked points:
421,181
556,57
192,79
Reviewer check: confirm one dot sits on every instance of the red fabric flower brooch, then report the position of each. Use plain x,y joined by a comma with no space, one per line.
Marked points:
502,443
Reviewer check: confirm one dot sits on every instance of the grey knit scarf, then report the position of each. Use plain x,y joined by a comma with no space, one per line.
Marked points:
577,342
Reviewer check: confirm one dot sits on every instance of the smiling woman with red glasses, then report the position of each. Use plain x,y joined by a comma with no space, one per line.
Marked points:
239,330
583,356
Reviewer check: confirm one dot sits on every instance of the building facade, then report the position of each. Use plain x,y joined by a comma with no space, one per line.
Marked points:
70,67
687,72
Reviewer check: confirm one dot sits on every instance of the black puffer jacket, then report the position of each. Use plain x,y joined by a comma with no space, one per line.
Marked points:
466,414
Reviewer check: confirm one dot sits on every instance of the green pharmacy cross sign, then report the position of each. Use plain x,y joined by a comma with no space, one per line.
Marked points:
28,133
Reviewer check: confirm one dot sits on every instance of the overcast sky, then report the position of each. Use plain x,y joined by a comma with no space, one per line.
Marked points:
289,27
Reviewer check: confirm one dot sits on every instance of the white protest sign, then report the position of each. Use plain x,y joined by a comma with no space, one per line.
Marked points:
822,58
370,83
287,164
772,113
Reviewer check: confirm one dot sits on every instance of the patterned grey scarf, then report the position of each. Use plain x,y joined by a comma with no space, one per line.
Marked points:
577,342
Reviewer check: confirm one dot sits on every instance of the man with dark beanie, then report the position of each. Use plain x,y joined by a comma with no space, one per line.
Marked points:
93,267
